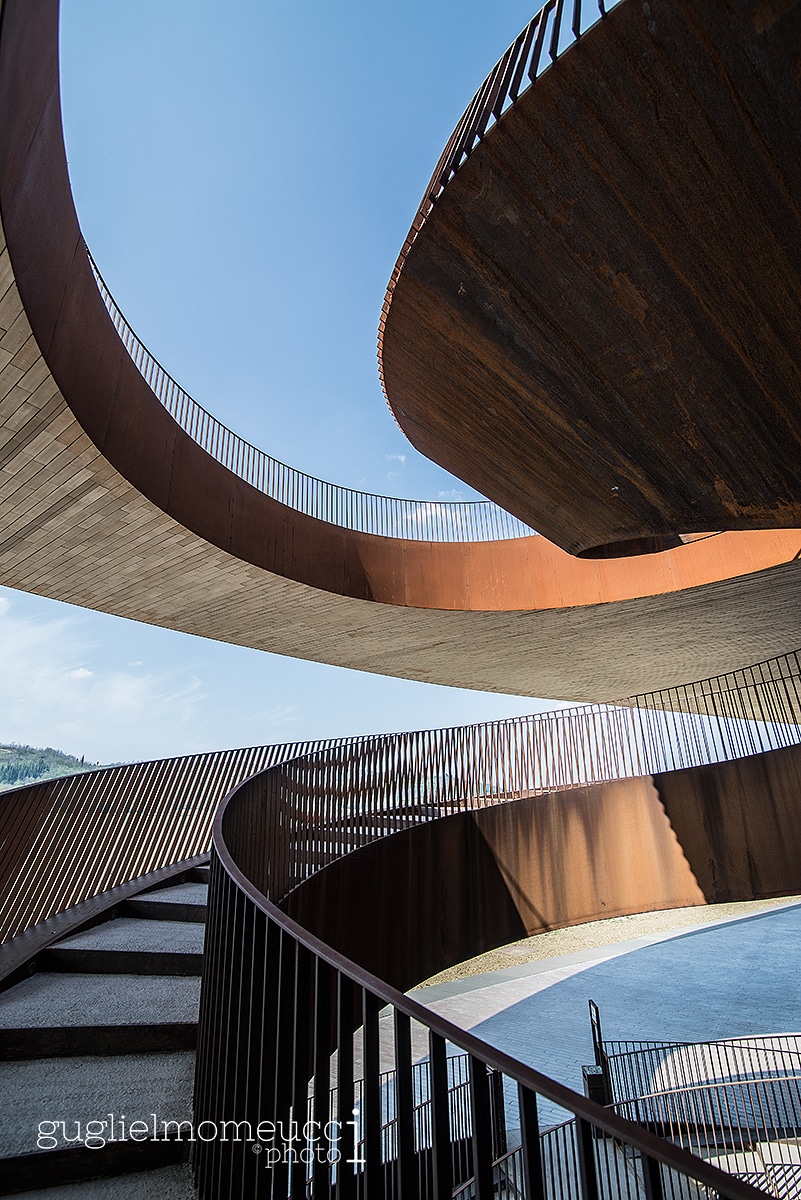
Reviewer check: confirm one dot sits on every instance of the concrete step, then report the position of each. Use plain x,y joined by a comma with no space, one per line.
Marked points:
64,1014
50,1108
130,946
181,902
171,1183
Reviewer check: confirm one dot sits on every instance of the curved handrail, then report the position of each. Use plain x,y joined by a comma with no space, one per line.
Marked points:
281,827
366,512
135,818
538,46
351,793
531,1083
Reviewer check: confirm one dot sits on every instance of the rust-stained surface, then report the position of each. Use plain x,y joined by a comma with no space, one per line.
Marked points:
414,903
106,502
419,901
739,824
599,324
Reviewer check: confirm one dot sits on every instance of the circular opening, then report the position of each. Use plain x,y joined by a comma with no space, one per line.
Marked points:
633,546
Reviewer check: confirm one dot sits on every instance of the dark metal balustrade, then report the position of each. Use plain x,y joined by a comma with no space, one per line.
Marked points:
384,516
69,839
284,1016
735,1102
285,1019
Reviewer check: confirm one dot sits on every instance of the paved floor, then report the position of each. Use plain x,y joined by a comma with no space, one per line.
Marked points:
724,980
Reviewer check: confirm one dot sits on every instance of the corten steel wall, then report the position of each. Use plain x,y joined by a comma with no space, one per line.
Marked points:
739,824
419,901
608,286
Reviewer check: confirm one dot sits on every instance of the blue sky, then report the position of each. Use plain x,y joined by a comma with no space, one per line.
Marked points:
245,176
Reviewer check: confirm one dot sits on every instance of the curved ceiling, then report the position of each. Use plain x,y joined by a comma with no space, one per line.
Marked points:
106,502
598,323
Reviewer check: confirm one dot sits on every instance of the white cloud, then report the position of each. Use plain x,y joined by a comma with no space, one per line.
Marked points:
401,458
137,662
107,714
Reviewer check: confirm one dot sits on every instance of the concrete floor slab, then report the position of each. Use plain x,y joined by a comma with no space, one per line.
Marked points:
728,980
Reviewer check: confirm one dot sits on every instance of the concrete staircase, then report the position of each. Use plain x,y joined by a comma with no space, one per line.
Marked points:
104,1033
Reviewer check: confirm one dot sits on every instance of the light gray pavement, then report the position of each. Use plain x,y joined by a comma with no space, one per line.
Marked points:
722,980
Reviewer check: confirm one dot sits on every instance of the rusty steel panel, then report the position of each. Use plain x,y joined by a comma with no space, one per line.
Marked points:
598,323
739,824
410,905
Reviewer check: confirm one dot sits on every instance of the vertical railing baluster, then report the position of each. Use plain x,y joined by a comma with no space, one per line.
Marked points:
348,1132
585,1146
481,1128
533,1179
440,1118
300,1066
404,1106
371,1101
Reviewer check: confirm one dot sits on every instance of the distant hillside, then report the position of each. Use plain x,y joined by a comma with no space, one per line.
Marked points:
28,764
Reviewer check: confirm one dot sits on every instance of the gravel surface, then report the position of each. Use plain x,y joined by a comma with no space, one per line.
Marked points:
608,932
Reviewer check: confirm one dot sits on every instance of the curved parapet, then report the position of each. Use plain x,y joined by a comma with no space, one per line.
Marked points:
341,877
118,494
595,318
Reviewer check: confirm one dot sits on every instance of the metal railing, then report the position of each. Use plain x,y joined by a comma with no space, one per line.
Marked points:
636,1069
69,839
384,516
749,1127
328,803
558,25
735,1102
284,1016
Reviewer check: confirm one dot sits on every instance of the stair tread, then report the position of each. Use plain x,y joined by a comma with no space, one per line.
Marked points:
55,1000
179,893
89,1089
139,934
170,1183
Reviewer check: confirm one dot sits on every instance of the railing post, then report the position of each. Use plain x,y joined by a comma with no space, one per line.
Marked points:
321,1171
348,1141
440,1117
586,1156
481,1120
404,1106
533,1179
371,1098
300,1068
652,1177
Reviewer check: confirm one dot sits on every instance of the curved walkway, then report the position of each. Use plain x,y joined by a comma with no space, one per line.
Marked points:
107,502
730,978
